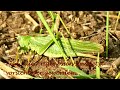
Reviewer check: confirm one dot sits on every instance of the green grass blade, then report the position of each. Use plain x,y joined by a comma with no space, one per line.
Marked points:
83,77
76,70
107,33
41,30
50,32
65,26
69,50
52,28
98,68
56,25
52,15
118,76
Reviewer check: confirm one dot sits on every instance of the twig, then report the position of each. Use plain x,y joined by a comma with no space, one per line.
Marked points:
116,63
112,32
117,22
31,20
110,16
114,66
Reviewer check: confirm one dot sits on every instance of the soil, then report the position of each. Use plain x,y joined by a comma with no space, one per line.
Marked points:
83,25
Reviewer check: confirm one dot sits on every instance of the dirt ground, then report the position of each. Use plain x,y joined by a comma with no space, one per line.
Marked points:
83,25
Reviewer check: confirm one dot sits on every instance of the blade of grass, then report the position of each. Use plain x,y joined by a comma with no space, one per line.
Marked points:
52,15
52,27
41,30
97,67
107,33
76,70
50,32
117,76
83,77
65,26
69,51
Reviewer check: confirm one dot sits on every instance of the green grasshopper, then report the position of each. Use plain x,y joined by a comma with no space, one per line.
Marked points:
71,47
